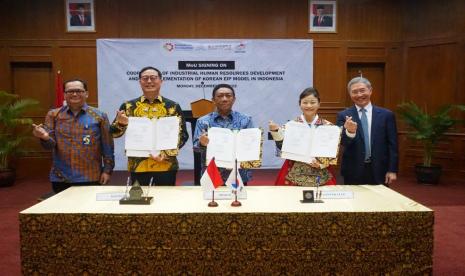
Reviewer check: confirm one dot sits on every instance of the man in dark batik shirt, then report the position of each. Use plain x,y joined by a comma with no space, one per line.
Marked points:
151,104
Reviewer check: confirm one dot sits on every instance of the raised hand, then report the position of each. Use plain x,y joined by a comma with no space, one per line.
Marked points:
350,125
40,132
272,126
160,157
315,164
121,117
203,139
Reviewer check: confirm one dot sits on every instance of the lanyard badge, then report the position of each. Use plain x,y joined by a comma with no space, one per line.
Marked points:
86,139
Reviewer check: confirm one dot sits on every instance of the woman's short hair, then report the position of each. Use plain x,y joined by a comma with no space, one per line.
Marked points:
309,91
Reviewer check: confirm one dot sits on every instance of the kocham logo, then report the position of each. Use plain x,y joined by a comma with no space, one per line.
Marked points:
168,46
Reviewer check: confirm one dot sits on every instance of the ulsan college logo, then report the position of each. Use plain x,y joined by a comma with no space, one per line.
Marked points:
240,48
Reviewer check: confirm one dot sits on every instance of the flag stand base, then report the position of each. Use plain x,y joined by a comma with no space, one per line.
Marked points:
236,203
212,204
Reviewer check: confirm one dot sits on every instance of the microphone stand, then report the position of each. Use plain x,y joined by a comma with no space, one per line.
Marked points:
148,189
126,194
318,193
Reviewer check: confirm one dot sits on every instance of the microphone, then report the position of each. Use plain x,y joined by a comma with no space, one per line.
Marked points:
318,193
128,182
203,88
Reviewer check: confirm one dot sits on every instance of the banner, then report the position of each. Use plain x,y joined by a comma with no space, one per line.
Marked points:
267,74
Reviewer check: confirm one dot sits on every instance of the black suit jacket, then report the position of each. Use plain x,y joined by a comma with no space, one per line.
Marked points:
384,148
326,22
75,21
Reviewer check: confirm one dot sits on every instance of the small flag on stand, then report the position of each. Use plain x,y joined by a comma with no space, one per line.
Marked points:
211,178
59,93
234,181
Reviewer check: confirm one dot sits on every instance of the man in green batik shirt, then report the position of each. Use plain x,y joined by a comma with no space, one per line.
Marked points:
163,167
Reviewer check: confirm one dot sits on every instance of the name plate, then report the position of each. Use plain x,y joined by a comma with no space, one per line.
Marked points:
337,194
111,196
224,195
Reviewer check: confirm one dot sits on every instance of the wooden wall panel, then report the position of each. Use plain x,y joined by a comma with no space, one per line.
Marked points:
370,20
109,19
5,74
373,20
80,61
32,19
431,18
34,80
366,52
432,71
459,157
328,72
460,59
394,76
30,53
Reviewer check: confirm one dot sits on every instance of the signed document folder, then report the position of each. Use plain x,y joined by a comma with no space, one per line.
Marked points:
303,143
146,136
229,145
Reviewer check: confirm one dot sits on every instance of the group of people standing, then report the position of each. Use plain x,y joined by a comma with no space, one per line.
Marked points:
81,137
369,141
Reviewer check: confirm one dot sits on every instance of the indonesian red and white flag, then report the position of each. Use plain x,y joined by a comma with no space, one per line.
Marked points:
211,178
59,93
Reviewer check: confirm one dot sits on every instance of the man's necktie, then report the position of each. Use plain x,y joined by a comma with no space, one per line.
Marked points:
366,137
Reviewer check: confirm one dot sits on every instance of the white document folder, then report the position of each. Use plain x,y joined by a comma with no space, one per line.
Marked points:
303,143
146,136
229,145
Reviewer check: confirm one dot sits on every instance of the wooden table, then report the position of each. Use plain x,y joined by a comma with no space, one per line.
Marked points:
378,231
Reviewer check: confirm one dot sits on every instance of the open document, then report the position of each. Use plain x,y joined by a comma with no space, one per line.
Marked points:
146,136
228,145
303,143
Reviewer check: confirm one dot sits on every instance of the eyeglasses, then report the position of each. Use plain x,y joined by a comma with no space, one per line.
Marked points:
147,78
77,91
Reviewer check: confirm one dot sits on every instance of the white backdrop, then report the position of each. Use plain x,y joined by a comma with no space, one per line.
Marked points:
267,74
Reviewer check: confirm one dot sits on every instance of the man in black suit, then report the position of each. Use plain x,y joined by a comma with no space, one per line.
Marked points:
369,138
80,18
321,19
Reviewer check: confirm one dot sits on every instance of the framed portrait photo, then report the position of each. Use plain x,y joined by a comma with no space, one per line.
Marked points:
322,16
80,15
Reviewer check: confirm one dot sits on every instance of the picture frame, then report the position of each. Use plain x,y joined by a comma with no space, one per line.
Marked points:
322,16
80,15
